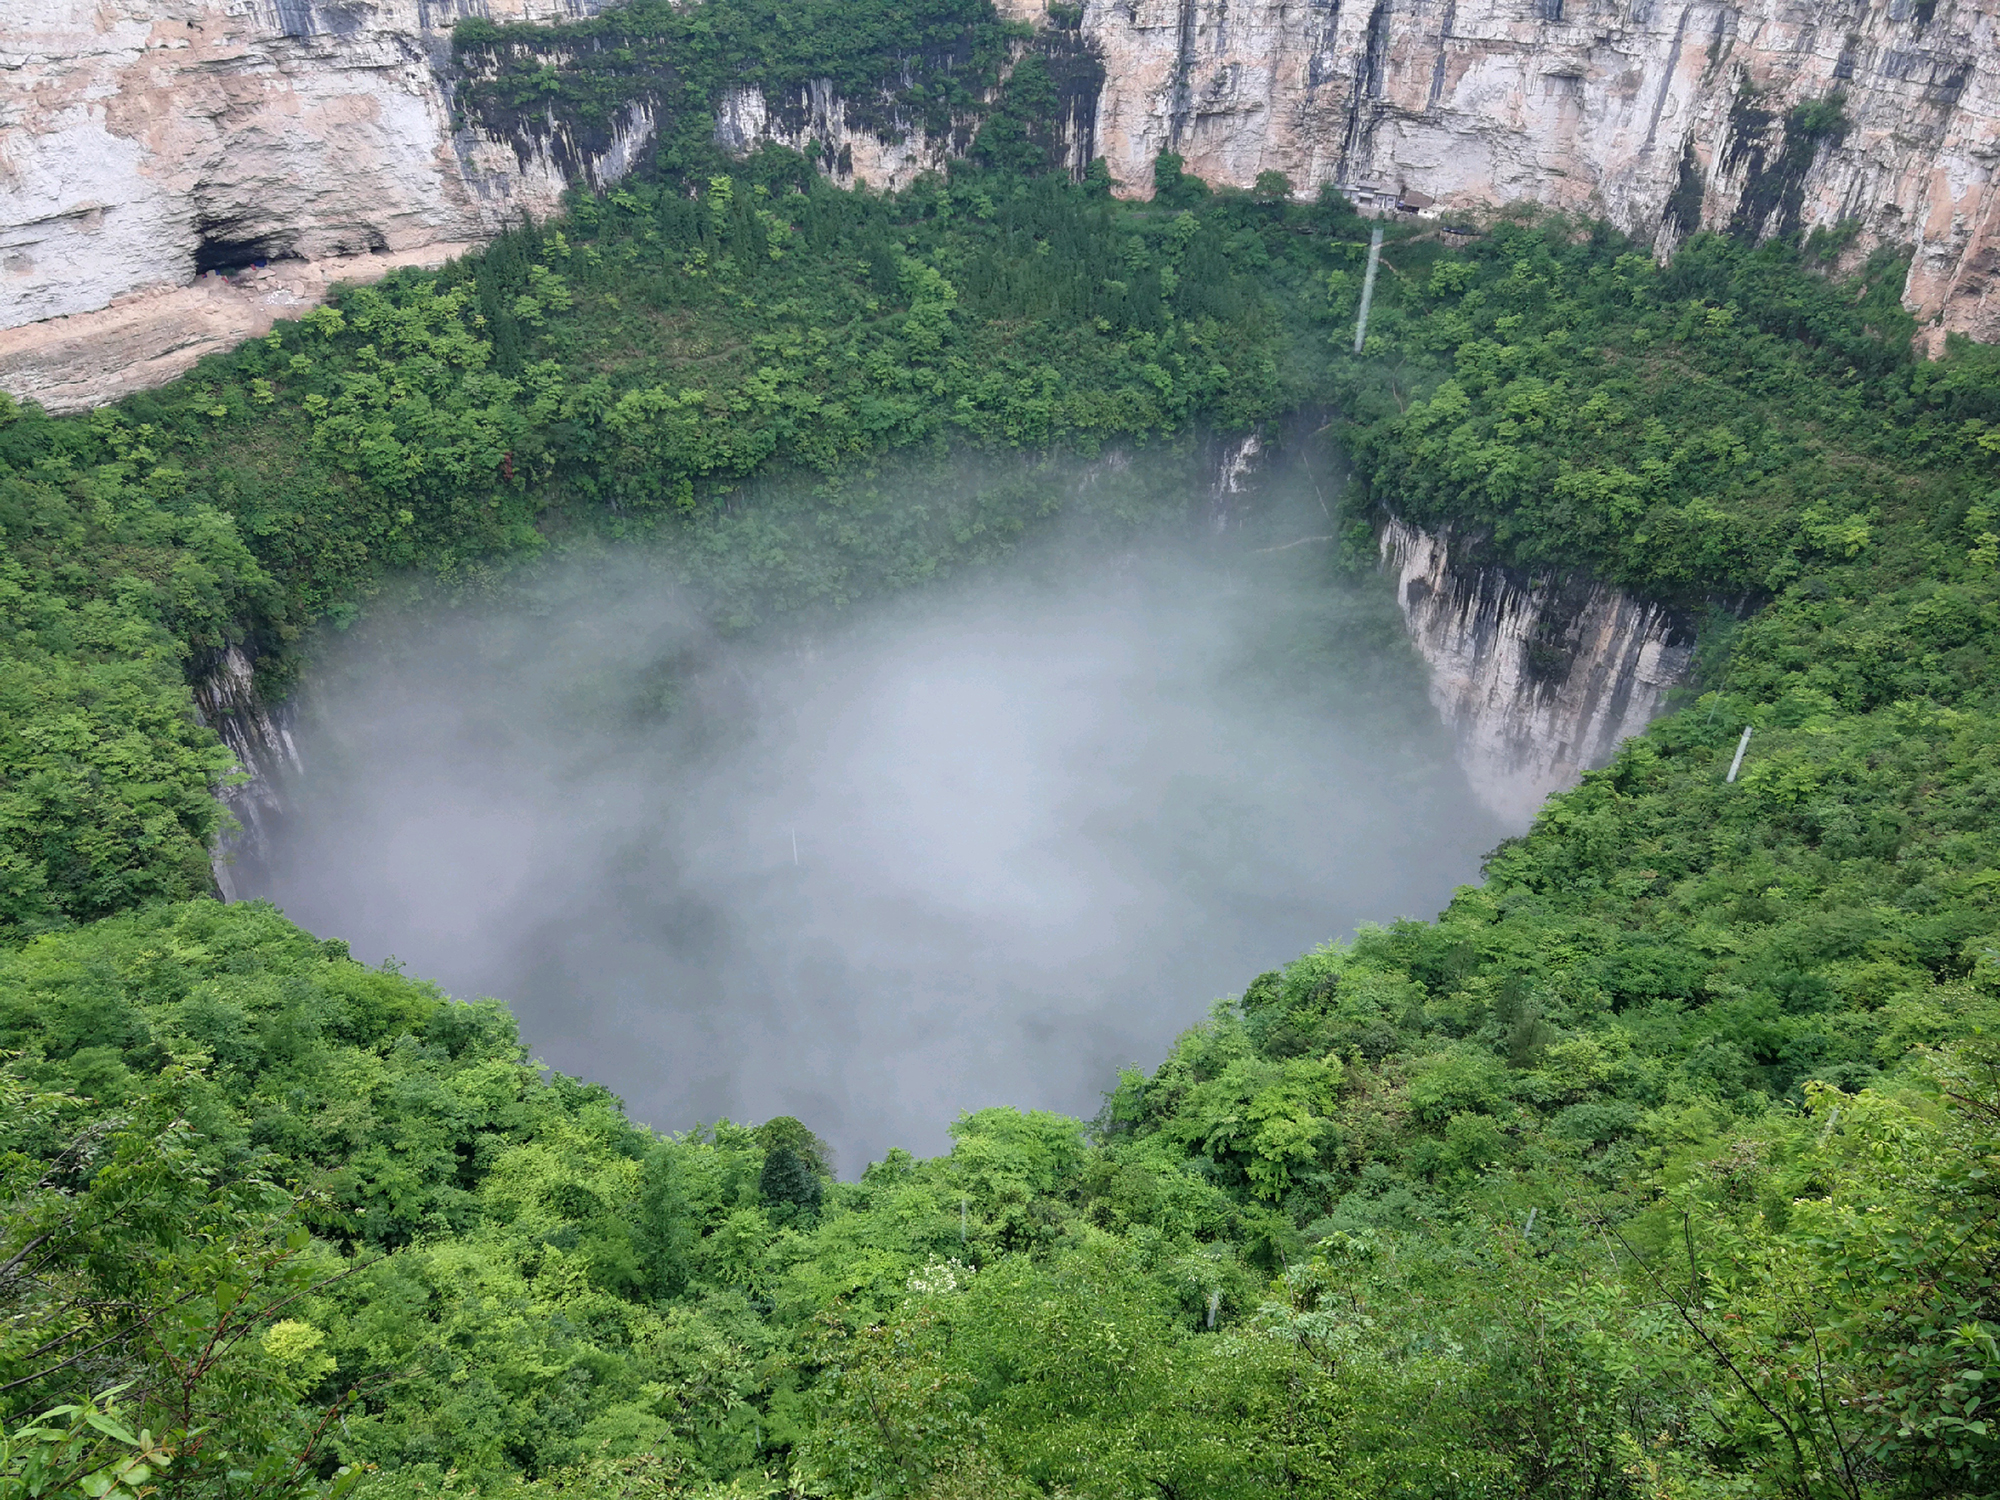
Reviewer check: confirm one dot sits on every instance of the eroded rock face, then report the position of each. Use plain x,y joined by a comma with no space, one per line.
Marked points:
1539,682
878,145
147,337
145,142
260,736
815,118
1660,115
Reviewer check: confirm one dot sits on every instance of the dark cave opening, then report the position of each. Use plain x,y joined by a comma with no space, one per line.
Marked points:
223,246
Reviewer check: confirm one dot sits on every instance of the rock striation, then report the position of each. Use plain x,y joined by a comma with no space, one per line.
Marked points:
146,338
260,737
1539,681
144,143
1663,116
815,118
888,151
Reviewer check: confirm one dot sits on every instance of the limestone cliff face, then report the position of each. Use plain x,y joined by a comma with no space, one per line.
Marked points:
261,739
1660,115
1539,682
888,159
887,151
145,142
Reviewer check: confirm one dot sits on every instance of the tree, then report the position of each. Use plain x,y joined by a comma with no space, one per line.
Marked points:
145,1338
795,1161
1173,187
1272,186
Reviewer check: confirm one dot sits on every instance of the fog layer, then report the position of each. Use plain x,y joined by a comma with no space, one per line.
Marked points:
980,844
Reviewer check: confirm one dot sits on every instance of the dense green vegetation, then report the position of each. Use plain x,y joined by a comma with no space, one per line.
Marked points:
927,66
1665,1163
605,378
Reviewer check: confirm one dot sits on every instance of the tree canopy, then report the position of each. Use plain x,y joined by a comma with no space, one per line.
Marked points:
1662,1163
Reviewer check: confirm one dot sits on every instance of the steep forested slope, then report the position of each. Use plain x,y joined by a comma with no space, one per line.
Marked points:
1663,1163
603,378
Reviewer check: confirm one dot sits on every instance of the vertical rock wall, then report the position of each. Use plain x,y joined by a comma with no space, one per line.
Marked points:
1660,115
146,142
261,739
890,152
815,117
1540,682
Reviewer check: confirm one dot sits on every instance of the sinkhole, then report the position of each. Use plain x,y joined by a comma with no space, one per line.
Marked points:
873,800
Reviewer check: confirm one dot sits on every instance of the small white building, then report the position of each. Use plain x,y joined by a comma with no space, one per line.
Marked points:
1382,202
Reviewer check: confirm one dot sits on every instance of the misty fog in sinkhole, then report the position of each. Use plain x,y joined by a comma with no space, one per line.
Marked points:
981,842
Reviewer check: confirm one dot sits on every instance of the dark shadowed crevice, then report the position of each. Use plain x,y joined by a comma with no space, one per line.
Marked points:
1368,81
231,244
1774,179
1682,215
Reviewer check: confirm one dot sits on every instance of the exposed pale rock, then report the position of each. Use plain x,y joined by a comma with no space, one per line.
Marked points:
1539,683
143,141
260,736
1235,466
148,337
1608,107
816,117
1661,117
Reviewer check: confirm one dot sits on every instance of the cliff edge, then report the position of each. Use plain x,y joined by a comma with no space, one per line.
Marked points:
153,152
1759,118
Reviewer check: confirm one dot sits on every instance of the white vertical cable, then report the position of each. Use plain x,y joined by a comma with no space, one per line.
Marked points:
1741,745
1368,287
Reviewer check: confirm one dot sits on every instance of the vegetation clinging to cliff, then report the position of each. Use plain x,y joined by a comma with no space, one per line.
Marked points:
1661,1164
896,68
609,375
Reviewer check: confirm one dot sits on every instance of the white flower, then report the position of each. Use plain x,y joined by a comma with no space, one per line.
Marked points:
941,1276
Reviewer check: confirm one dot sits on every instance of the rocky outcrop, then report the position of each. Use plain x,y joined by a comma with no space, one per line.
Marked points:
1538,680
146,142
261,740
877,144
1235,467
148,337
815,119
1757,116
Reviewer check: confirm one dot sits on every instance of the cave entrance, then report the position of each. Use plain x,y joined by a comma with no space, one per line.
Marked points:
224,246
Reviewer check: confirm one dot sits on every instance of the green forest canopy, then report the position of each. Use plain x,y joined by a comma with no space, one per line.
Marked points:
1663,1163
